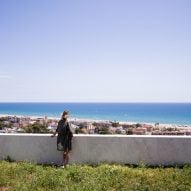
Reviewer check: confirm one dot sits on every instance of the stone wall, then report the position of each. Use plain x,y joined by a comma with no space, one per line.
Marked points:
93,149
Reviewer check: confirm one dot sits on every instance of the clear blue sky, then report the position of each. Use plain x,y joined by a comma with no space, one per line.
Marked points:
95,50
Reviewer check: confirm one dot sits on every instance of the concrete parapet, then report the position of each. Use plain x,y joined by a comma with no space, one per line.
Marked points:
94,149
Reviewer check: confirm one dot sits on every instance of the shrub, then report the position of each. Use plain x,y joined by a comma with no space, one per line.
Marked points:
36,128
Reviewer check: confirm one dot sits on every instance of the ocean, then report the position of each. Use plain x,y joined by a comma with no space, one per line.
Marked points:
167,113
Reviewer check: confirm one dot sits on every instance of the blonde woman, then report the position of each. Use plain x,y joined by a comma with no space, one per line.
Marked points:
64,138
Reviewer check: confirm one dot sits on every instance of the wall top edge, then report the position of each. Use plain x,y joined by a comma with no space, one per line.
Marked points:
96,135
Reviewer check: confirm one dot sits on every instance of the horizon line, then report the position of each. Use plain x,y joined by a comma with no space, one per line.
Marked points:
109,102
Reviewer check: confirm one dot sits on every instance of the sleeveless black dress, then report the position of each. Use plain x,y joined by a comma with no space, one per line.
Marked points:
64,139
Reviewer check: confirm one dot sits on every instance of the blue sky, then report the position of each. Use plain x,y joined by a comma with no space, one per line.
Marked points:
95,51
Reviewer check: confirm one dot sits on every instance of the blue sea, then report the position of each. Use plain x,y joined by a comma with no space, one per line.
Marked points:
172,113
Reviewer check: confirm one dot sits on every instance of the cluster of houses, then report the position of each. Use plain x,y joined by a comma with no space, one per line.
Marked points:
18,124
171,130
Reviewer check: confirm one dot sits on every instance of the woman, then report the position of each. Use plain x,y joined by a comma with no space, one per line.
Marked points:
64,139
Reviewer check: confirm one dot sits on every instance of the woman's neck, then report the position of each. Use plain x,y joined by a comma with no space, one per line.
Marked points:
64,119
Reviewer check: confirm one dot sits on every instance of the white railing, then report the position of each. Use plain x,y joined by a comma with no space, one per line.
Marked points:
94,149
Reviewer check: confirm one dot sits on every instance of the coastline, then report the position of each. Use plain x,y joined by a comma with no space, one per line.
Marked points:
143,113
98,120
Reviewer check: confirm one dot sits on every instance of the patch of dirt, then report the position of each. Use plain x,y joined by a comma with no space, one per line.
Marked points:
4,188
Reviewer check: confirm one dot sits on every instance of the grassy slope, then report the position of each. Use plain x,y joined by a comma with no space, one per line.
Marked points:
26,176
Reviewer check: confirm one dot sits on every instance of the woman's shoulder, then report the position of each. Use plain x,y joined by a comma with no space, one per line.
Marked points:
63,122
60,121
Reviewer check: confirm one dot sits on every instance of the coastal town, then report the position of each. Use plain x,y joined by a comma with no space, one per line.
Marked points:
27,124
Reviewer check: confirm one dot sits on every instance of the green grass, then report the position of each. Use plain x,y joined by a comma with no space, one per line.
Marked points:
23,176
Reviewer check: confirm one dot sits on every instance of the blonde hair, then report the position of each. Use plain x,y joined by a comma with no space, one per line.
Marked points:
65,113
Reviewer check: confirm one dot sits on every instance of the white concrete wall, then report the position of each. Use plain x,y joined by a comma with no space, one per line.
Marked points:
152,150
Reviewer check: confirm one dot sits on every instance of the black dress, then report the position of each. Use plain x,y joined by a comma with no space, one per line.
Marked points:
64,139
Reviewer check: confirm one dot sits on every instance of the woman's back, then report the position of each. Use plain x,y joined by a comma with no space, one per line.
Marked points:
63,127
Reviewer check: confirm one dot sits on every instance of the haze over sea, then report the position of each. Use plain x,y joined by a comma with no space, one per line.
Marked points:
168,113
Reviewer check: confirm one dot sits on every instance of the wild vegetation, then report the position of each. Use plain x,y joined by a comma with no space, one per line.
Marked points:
23,176
36,128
